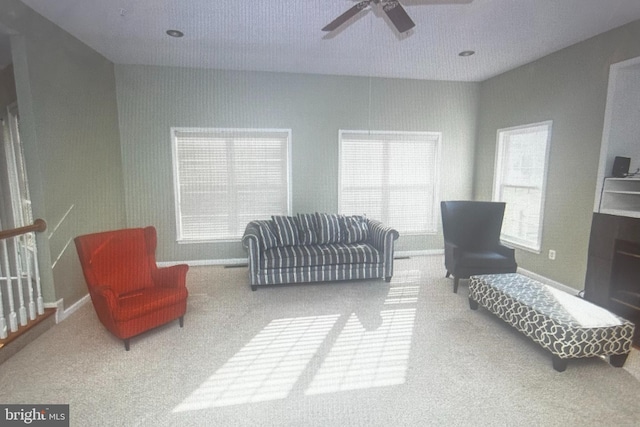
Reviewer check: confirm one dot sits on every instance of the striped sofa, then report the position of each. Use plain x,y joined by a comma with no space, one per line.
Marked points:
318,247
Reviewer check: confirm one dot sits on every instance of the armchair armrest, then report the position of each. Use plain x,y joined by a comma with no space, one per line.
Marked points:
105,302
505,250
174,276
105,296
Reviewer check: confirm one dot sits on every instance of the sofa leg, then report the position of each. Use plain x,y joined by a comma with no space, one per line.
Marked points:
181,320
448,274
387,279
254,288
126,344
456,280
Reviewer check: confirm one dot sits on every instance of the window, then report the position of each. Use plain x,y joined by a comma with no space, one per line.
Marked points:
224,178
520,179
391,177
18,187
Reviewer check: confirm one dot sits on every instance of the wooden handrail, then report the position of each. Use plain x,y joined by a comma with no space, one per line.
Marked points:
38,225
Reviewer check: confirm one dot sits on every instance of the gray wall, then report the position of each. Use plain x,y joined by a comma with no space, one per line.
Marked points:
69,128
570,88
153,99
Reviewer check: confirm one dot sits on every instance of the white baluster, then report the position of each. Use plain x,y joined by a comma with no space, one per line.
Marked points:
13,318
26,258
22,310
3,322
36,270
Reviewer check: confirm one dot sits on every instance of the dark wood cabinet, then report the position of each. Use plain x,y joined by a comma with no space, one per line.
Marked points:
613,268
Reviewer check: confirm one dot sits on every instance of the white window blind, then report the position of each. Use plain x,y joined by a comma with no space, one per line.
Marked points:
225,178
391,177
520,179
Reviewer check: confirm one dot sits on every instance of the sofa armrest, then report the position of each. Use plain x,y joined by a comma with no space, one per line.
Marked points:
383,238
252,242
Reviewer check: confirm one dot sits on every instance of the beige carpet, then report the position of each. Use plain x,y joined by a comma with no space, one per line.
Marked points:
366,353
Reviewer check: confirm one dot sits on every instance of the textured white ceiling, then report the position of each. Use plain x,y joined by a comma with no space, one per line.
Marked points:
285,35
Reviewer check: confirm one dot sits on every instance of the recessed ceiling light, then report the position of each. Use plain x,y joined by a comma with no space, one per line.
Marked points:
466,53
175,33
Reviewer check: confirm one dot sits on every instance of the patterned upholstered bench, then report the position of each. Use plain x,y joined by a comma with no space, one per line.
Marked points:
566,325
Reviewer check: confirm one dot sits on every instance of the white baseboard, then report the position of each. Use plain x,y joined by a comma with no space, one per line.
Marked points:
548,281
61,313
425,252
204,262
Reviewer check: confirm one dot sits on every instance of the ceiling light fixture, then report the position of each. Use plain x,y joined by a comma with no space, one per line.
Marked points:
175,33
466,53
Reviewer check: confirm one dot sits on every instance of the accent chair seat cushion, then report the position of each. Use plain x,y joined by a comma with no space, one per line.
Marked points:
482,258
138,303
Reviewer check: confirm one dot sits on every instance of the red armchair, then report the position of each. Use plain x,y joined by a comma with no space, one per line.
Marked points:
129,292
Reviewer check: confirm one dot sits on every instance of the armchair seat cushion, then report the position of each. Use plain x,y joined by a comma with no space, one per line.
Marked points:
483,258
139,303
315,255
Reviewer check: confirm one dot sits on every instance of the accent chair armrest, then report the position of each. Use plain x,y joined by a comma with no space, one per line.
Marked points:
506,251
174,276
105,296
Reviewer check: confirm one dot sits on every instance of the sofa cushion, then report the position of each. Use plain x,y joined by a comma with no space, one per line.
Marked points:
354,229
268,235
328,228
313,255
286,230
307,229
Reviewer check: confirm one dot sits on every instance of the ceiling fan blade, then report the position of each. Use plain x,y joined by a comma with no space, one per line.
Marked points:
353,11
398,16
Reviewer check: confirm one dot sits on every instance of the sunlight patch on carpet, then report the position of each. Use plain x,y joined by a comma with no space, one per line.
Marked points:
363,359
267,367
402,295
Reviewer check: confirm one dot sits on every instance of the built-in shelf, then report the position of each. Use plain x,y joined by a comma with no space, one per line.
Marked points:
621,196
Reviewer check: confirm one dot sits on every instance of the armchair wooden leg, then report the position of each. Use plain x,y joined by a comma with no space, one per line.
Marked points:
126,344
181,320
456,280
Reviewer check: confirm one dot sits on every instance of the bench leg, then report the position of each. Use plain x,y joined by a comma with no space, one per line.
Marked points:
618,360
456,280
559,364
473,304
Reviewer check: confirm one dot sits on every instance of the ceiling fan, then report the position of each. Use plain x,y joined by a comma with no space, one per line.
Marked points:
392,8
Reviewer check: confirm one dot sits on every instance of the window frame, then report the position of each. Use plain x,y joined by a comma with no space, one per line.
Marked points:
429,137
501,135
180,237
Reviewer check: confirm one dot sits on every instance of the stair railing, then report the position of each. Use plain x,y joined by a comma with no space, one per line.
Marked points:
19,277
